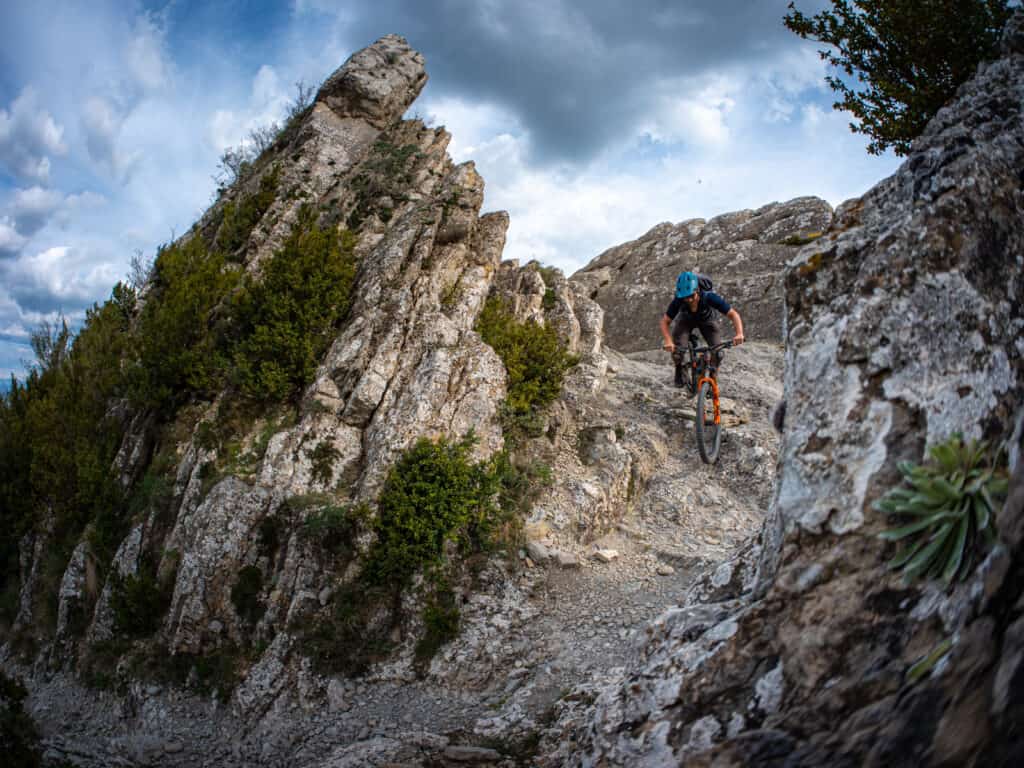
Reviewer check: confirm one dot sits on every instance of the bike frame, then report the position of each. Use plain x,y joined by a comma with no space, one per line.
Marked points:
714,394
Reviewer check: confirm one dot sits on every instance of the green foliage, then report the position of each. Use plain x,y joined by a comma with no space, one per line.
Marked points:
242,216
19,738
925,665
355,633
58,439
324,456
534,356
385,174
286,320
334,527
440,622
138,603
179,349
432,495
898,61
945,510
245,595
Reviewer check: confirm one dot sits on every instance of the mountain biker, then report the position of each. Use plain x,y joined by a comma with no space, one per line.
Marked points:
691,308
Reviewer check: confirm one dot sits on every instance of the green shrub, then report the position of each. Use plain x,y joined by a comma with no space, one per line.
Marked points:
334,527
245,595
440,622
432,495
945,510
138,603
179,352
240,218
356,631
324,456
286,320
534,356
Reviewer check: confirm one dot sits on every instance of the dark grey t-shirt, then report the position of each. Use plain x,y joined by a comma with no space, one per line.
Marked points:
708,300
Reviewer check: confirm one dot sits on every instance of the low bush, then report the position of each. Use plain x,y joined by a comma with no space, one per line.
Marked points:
440,622
535,358
433,495
19,737
245,595
138,603
241,217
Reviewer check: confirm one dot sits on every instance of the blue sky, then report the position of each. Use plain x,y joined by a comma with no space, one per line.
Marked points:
590,120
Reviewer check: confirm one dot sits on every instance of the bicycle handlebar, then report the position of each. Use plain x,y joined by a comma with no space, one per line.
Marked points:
723,345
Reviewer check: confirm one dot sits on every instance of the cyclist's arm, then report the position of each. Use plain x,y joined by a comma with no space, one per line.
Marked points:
664,325
737,323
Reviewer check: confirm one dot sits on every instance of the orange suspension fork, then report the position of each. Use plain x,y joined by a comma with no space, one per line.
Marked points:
714,395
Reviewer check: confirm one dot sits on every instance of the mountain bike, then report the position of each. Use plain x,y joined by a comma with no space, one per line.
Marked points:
702,380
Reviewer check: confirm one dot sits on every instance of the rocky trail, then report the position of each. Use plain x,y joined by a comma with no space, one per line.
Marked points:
528,640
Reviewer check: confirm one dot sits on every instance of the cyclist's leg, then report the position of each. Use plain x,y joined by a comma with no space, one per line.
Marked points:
712,334
680,337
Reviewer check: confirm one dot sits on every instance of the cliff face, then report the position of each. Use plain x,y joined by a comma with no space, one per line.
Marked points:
743,252
904,326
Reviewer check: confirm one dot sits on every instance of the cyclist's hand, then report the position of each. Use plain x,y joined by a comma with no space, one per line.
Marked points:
738,339
668,346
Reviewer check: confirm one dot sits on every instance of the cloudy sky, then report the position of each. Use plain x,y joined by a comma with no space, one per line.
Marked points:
590,120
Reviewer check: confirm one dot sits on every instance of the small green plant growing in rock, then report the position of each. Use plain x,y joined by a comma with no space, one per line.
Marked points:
945,510
324,456
138,603
440,622
245,595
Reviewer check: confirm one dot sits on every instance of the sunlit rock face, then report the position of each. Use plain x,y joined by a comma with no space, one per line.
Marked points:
903,326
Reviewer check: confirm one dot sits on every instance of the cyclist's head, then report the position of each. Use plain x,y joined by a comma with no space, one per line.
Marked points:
686,285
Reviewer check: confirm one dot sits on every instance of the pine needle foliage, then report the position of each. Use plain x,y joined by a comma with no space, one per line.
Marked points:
179,351
241,217
945,510
898,61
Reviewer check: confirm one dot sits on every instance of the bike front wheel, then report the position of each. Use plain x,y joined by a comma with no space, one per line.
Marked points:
709,434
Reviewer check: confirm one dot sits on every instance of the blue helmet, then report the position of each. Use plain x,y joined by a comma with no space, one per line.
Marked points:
686,284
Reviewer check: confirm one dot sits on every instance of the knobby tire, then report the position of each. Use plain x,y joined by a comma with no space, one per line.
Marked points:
709,434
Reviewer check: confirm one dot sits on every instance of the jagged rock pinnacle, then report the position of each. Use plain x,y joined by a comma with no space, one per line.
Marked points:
377,83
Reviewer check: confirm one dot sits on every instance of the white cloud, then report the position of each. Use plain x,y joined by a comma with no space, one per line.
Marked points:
32,208
28,135
10,241
60,275
102,123
268,100
146,57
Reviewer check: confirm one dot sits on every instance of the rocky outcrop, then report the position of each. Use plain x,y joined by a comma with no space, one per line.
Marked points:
742,252
903,327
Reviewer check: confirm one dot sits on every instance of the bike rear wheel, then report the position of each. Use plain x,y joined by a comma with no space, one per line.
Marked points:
709,434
